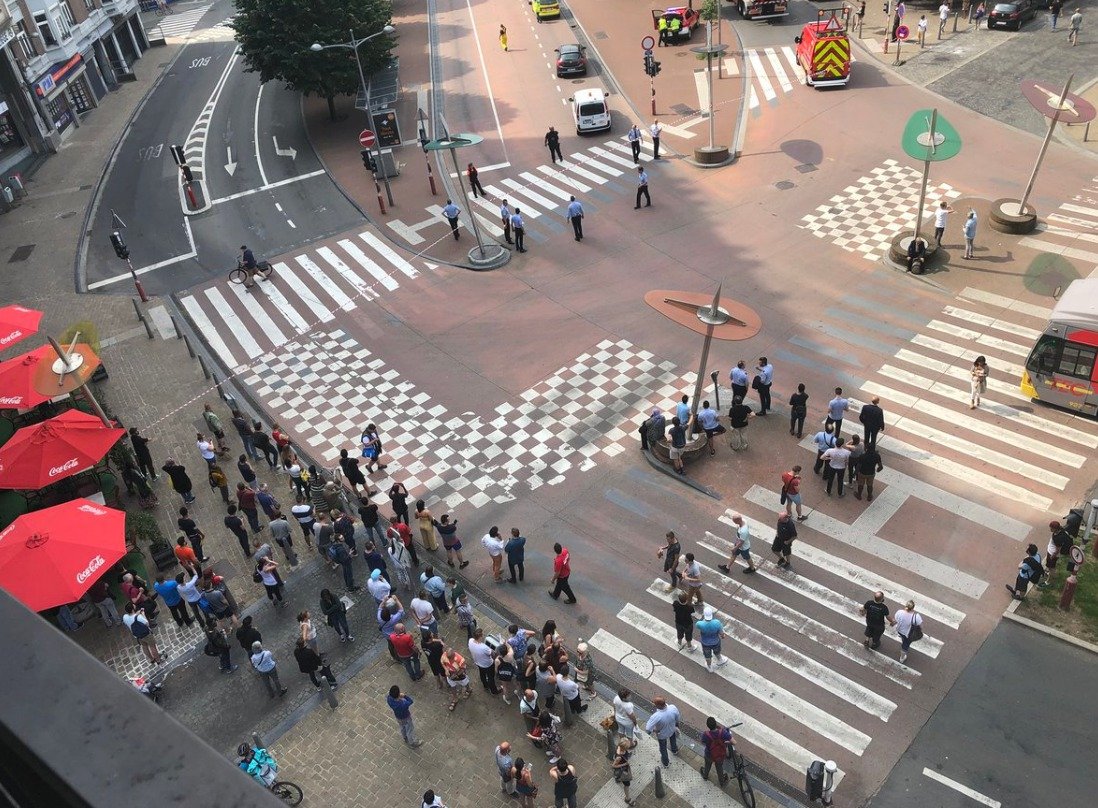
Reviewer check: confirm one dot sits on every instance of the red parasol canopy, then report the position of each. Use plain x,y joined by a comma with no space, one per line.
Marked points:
54,449
17,323
17,390
53,556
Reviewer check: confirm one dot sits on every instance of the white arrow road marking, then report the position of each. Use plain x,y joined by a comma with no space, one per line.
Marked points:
290,152
230,165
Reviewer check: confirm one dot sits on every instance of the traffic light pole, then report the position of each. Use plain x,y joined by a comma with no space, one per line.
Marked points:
140,289
123,252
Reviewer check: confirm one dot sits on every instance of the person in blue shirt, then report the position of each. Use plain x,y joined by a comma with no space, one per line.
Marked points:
711,632
764,372
516,555
664,724
575,216
169,591
970,233
258,764
451,212
436,588
709,421
738,377
401,705
682,409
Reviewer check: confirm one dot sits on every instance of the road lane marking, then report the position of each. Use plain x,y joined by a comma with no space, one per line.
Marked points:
291,281
779,71
267,187
233,321
760,76
802,665
255,136
341,299
563,178
391,255
364,289
520,190
548,187
981,339
662,678
963,789
370,266
250,303
992,322
1009,303
209,333
487,81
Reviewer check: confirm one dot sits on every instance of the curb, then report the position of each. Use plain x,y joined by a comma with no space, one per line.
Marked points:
1009,614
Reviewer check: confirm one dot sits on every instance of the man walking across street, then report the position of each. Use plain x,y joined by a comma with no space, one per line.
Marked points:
401,705
791,487
943,18
868,466
642,188
505,219
784,535
451,212
552,142
1054,12
873,421
836,411
518,227
691,577
669,552
875,613
655,130
664,724
562,569
1073,38
711,632
634,137
575,216
264,663
516,555
741,547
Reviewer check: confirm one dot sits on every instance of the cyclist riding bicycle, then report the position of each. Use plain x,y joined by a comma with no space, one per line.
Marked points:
258,763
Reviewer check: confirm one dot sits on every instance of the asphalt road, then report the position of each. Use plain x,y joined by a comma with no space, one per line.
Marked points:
1015,727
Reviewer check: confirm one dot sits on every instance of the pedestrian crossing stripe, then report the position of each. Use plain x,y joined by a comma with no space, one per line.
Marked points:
180,24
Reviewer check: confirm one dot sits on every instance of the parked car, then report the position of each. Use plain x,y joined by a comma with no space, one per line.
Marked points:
1012,14
571,60
545,9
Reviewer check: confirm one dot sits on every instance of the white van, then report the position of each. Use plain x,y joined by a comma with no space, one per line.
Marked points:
590,110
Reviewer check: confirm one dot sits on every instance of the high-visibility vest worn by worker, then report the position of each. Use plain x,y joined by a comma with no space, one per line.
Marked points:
662,24
676,24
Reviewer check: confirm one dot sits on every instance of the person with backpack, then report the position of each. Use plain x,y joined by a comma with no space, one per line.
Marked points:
909,625
337,551
217,644
135,620
715,742
1029,573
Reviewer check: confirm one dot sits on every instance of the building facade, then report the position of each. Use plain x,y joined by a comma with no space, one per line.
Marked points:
58,58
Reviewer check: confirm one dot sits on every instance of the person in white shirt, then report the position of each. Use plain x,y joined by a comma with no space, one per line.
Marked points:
378,586
570,692
625,715
505,219
655,130
634,137
922,26
943,17
494,545
424,613
906,619
941,218
485,660
837,459
741,548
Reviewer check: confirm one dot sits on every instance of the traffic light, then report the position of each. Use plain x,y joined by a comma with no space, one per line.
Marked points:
655,68
120,248
188,175
368,160
648,61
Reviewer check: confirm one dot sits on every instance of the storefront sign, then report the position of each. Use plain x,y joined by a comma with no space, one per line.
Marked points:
45,86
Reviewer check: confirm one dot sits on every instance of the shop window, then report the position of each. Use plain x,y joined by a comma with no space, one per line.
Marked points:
42,20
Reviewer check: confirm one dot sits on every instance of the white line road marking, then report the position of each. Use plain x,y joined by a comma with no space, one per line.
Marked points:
207,330
816,593
981,339
500,193
291,281
484,169
283,306
819,633
484,74
1056,249
968,792
754,98
517,188
922,406
760,76
233,321
367,264
1009,303
755,685
542,185
968,316
752,731
391,255
564,179
866,541
365,290
791,57
869,580
255,310
779,71
267,187
338,296
957,352
702,86
591,162
571,168
255,136
807,668
605,154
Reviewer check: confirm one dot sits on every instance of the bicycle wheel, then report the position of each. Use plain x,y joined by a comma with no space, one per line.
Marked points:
238,275
266,269
746,791
290,793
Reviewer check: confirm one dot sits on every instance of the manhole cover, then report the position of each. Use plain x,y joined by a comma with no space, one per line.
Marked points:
785,185
683,109
22,253
601,35
805,168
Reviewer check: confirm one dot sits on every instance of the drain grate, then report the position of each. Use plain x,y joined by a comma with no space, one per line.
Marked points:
805,168
22,253
683,109
601,35
785,185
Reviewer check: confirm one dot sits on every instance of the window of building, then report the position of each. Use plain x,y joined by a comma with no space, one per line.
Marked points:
24,40
89,5
63,19
42,20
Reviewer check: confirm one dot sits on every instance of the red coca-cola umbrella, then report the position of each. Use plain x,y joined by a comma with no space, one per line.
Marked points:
16,323
52,556
54,449
17,389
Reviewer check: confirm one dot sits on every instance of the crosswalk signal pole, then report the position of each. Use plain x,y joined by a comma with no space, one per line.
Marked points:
122,250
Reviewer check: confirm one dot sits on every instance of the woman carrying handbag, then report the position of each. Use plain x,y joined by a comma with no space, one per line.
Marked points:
909,624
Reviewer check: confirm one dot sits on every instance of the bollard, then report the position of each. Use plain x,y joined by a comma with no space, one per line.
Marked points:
661,792
202,364
148,327
137,309
1069,591
190,348
175,325
327,692
611,745
257,741
830,767
192,200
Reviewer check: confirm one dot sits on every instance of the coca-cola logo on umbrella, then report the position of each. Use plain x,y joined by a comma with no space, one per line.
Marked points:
68,465
14,336
91,569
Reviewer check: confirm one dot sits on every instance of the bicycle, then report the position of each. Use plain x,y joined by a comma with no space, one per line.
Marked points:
241,274
739,768
291,793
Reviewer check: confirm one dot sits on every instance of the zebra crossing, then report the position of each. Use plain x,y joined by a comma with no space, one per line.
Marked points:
596,175
774,73
1072,231
302,293
179,24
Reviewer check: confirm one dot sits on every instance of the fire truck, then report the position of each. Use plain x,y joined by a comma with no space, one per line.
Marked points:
762,9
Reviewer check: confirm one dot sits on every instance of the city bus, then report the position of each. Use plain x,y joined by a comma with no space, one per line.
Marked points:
1061,368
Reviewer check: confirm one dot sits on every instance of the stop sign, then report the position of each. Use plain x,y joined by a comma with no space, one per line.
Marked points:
367,138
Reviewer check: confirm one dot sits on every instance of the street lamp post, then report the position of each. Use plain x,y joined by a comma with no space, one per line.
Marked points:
353,45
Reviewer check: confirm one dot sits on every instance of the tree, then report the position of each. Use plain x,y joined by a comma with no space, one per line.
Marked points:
275,38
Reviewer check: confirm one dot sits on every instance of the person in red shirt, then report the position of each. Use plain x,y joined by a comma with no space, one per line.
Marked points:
791,492
405,646
562,568
245,500
398,529
186,556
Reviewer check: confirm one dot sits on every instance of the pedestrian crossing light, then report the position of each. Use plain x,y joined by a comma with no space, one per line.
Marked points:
120,248
648,61
655,68
367,160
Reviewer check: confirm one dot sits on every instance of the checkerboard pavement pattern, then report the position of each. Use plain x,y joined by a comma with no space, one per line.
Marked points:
866,216
331,387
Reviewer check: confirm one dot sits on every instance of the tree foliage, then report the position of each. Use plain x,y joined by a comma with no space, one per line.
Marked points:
275,36
710,10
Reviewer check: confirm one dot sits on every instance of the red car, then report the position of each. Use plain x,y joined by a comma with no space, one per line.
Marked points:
686,15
